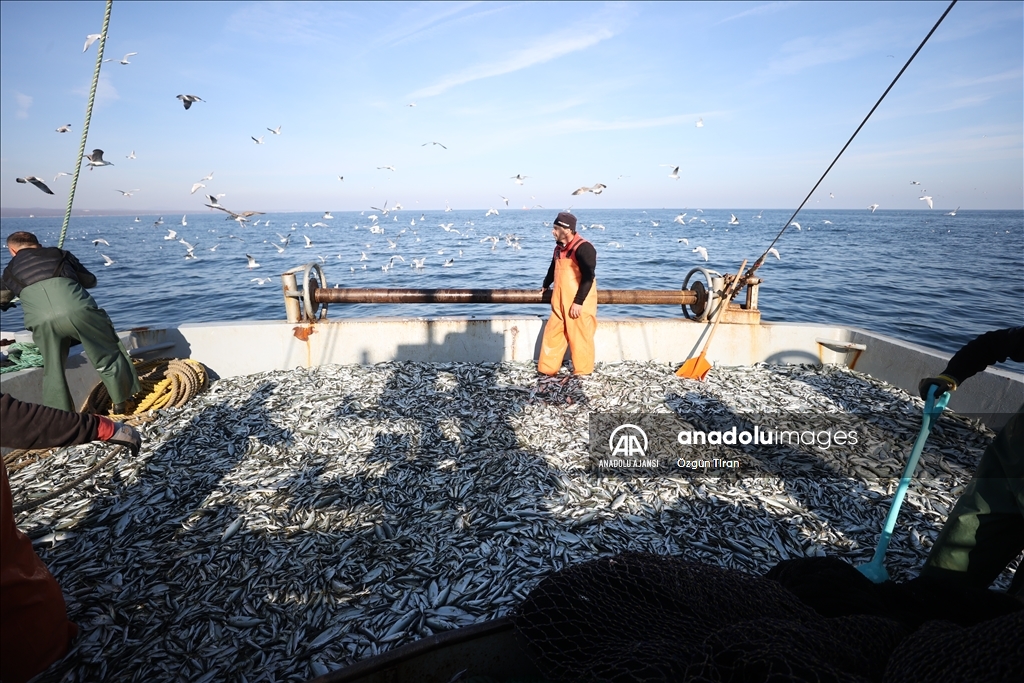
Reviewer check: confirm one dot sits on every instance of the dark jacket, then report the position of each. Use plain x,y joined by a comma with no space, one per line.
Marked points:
991,347
32,265
27,425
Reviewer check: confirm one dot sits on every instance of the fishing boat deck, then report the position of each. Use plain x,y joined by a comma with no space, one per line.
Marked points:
288,523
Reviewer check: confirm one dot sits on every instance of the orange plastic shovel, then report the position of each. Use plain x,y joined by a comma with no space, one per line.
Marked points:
698,368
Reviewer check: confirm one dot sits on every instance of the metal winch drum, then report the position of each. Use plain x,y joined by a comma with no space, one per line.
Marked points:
306,296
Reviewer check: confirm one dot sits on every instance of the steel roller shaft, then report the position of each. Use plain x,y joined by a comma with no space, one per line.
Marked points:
324,295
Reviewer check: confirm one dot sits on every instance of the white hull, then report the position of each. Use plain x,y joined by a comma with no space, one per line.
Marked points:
232,349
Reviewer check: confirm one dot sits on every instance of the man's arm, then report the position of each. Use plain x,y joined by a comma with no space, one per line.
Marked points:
550,277
988,349
586,259
85,278
6,291
979,353
6,297
28,425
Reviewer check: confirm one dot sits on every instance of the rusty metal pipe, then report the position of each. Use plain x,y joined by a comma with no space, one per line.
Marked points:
323,295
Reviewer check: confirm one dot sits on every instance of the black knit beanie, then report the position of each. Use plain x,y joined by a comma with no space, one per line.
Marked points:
566,220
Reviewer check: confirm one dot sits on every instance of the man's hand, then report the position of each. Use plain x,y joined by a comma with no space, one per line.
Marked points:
943,383
575,310
126,435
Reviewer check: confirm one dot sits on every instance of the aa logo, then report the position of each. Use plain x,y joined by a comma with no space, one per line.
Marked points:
628,441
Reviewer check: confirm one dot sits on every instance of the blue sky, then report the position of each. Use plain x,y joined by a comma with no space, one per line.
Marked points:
566,94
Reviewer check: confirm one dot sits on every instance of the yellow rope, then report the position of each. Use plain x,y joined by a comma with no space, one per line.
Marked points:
165,383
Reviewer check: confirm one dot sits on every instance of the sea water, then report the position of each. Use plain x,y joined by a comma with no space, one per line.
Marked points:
920,275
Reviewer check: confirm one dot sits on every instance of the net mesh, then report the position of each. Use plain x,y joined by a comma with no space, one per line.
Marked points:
646,617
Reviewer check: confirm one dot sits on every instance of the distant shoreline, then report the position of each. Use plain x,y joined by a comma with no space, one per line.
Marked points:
52,213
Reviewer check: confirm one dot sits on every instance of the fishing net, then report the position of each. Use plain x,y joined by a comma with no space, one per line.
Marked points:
644,617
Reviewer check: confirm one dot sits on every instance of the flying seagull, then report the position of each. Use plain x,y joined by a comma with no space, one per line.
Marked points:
491,212
385,168
433,143
66,128
96,159
258,141
596,189
674,175
187,100
733,220
953,212
209,177
275,131
914,182
124,60
252,262
328,216
873,207
775,252
796,225
196,186
127,193
130,156
100,241
59,175
90,39
38,182
184,223
700,123
702,251
109,261
519,178
929,200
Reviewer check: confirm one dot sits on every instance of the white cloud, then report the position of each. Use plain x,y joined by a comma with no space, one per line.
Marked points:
411,27
585,125
1014,75
290,22
770,8
544,49
24,102
105,90
810,51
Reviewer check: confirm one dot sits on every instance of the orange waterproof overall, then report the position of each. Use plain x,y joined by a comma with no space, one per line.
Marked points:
561,330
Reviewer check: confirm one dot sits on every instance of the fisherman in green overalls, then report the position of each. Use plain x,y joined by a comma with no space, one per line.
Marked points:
985,530
60,313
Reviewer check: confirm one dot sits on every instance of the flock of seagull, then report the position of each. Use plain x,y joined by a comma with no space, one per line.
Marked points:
96,160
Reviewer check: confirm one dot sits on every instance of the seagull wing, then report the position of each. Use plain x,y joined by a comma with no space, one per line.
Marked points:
37,182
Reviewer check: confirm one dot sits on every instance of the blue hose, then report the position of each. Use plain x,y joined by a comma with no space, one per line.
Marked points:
875,569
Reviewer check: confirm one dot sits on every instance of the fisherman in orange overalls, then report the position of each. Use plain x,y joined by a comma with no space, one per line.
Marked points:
573,303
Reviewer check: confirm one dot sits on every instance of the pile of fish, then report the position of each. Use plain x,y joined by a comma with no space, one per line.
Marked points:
286,524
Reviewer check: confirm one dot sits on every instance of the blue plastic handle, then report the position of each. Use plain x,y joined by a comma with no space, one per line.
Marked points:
875,570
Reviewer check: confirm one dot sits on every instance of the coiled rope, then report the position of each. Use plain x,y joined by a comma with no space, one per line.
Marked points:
165,383
22,355
85,126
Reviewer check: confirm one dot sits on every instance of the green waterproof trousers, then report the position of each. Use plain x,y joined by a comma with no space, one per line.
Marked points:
985,529
60,314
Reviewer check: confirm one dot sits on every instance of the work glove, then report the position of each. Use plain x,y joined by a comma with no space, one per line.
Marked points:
126,435
942,383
